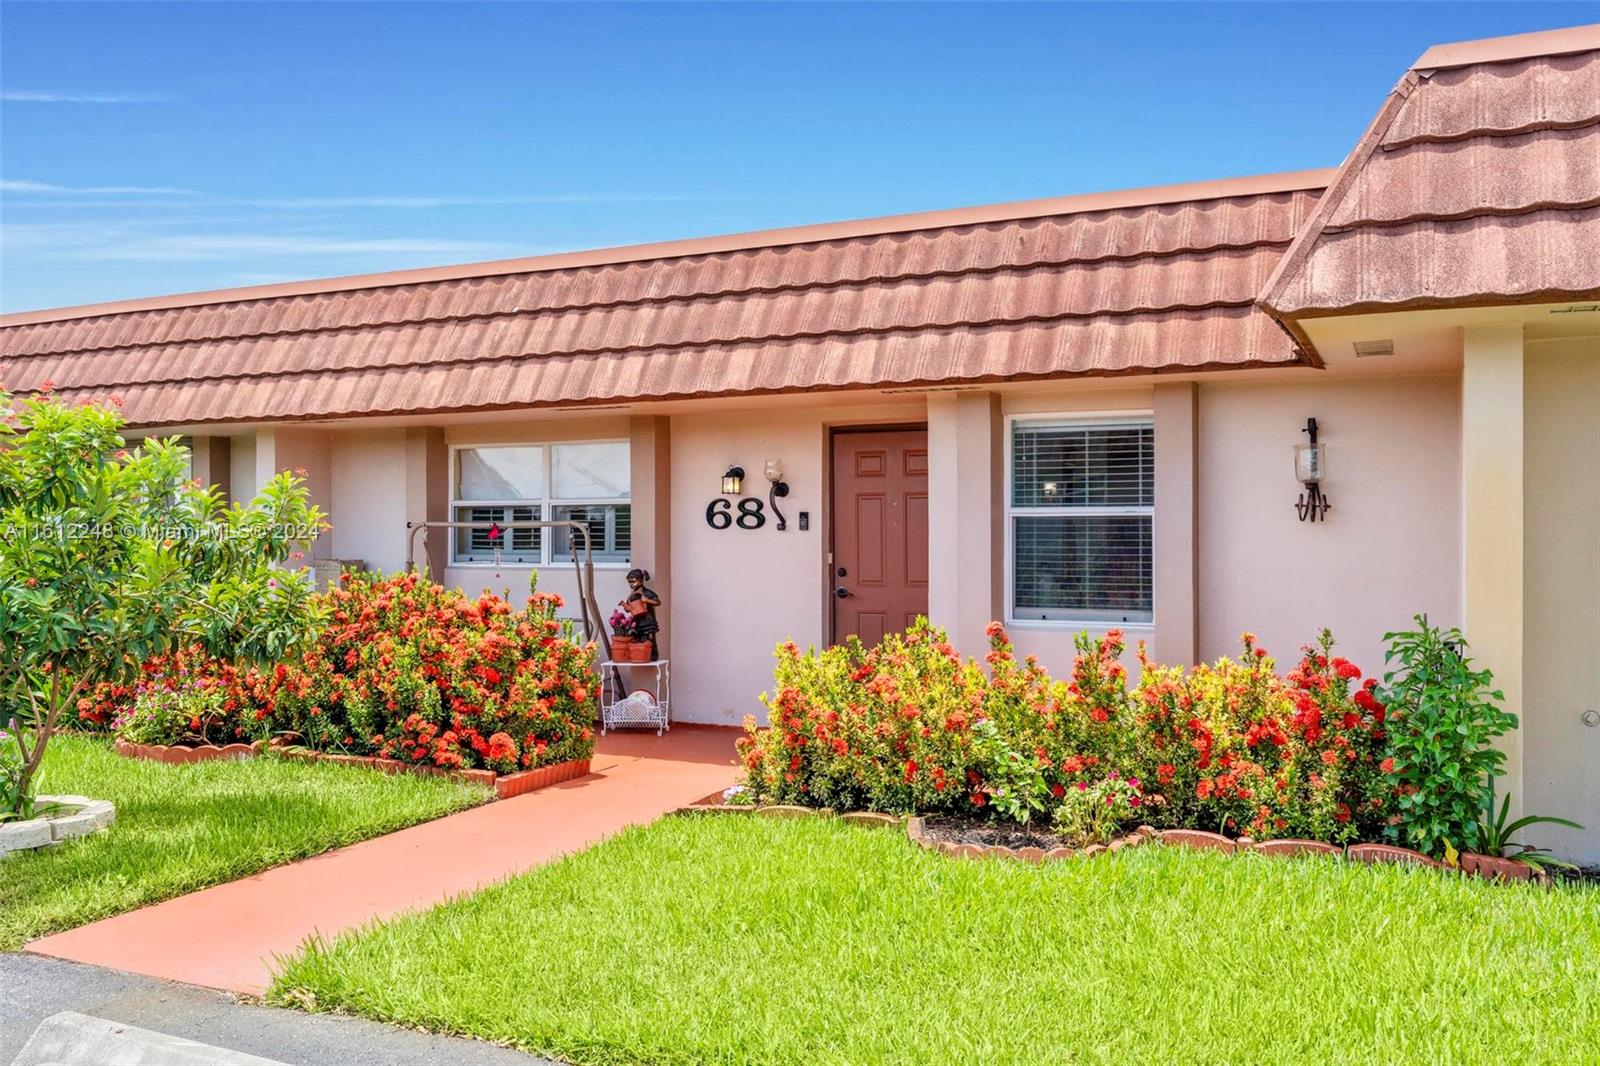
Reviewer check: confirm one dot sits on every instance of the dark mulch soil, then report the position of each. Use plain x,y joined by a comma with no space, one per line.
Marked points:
1586,875
989,834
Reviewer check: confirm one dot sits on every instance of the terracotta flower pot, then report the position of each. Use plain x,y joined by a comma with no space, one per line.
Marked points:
636,607
620,642
1494,867
639,653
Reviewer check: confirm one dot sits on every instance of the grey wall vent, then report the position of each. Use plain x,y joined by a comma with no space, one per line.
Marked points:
1368,349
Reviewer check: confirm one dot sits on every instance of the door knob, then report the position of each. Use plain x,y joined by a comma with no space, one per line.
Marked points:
841,592
1591,718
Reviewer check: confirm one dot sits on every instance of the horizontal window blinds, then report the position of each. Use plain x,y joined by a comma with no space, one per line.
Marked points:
1082,520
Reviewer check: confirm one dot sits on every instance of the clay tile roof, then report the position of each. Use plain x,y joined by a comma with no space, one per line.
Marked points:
1130,282
1478,183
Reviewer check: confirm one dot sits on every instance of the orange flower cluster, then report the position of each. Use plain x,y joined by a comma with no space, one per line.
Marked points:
908,726
406,669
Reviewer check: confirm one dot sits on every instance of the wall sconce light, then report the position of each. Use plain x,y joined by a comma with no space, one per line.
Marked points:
733,481
780,488
1310,466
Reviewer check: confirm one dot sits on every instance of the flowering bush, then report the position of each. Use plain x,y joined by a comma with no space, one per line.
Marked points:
171,716
889,728
404,669
907,726
229,706
1231,746
409,670
1092,814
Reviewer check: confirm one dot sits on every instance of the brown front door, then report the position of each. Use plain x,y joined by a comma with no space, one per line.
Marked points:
880,531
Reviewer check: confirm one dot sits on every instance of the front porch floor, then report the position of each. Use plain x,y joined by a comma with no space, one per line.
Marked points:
226,936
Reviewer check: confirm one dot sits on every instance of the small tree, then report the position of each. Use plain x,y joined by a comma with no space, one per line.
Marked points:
109,555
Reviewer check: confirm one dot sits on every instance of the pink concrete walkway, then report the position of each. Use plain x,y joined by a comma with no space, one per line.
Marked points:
225,937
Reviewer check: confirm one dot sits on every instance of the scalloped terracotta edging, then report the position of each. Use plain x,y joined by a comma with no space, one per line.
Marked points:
177,754
1199,839
1292,848
505,786
1500,868
790,810
716,808
917,831
1488,867
1375,853
872,819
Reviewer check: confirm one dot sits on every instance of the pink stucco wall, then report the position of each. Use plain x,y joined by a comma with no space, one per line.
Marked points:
1390,547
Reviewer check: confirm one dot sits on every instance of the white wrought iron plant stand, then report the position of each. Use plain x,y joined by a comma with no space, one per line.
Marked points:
639,707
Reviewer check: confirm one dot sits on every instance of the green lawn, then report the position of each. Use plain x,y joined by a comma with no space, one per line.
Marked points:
732,940
180,828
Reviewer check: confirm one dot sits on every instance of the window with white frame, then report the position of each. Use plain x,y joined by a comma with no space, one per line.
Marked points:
582,481
1080,519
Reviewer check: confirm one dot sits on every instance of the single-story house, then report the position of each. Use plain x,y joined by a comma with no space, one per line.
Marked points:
1067,414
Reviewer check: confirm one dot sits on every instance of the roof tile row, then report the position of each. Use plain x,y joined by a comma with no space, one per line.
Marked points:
1101,345
1476,184
1139,288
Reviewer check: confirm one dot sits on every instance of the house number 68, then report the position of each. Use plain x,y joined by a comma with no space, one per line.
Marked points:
719,514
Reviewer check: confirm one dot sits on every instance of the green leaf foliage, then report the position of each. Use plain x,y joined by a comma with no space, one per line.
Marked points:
110,553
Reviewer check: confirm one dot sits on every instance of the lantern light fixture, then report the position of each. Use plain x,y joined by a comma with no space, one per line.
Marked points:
1310,467
780,489
733,481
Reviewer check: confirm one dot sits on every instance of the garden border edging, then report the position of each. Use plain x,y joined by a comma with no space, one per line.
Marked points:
504,786
176,754
1486,868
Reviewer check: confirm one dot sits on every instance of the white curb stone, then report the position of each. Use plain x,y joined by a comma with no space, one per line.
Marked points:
88,816
22,836
72,825
73,1039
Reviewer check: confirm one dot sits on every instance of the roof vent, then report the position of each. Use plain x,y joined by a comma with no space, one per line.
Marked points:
1575,309
1369,349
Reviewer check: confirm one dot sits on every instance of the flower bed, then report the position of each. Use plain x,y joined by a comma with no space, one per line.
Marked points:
1287,765
909,727
402,670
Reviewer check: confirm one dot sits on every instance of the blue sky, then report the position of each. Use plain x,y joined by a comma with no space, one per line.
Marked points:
171,147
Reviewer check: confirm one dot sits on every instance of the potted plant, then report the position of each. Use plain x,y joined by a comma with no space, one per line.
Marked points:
621,635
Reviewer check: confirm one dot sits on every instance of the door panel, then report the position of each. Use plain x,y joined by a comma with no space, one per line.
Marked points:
880,525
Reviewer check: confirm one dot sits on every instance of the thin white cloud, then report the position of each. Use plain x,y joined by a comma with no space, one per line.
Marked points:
47,96
30,187
86,241
318,203
259,245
